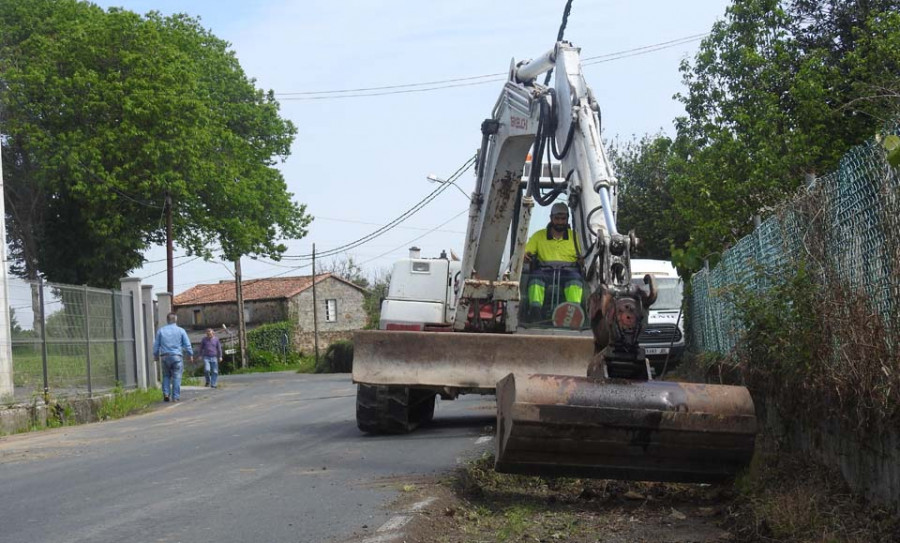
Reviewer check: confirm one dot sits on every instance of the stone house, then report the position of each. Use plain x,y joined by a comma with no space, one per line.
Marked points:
339,307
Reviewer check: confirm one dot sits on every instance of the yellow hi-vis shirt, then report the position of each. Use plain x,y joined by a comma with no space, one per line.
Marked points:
548,249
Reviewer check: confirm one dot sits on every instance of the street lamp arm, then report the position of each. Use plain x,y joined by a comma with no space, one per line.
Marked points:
435,179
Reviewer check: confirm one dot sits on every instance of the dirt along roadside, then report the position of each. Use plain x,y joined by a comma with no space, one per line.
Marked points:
782,498
476,504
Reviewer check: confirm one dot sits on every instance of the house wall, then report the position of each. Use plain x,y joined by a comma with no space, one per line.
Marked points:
215,315
350,314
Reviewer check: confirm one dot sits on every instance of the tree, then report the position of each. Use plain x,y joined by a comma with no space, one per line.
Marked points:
107,112
375,294
645,202
771,96
348,269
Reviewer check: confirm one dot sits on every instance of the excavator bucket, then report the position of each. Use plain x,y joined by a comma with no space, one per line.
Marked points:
616,429
461,360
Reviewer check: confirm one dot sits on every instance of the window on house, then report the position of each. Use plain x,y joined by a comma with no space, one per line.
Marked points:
330,310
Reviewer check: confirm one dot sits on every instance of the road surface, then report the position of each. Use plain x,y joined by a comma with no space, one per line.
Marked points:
266,457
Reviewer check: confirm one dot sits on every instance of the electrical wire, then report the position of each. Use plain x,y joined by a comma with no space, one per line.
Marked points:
391,225
408,91
390,87
416,238
321,218
173,267
489,78
384,229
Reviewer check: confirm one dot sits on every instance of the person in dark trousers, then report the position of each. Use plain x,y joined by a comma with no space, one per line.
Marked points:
554,251
168,346
211,351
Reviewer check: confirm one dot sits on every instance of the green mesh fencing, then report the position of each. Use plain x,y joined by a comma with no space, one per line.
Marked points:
845,226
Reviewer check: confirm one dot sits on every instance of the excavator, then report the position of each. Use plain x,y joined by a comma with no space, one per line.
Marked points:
577,397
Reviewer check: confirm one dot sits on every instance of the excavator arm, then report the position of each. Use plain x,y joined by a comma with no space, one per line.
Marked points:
563,120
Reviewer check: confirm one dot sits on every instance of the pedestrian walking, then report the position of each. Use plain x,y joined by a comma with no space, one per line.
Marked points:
168,346
211,351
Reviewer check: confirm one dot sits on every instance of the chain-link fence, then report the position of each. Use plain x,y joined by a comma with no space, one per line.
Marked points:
846,225
69,340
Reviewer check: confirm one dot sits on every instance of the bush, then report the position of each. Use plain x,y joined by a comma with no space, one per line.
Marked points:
338,358
274,338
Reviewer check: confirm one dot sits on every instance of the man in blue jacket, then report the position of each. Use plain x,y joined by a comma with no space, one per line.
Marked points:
170,341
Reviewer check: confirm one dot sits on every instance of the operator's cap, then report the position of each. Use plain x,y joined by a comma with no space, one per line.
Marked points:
559,208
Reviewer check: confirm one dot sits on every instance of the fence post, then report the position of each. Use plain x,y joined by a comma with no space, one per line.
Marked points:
87,339
134,324
132,285
112,298
44,341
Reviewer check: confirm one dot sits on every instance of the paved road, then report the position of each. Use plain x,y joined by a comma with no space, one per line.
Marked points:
265,458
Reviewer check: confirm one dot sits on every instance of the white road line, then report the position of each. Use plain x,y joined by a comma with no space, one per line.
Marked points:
483,439
421,505
397,522
394,523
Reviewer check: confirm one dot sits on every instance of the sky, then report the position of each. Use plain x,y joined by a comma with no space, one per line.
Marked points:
358,163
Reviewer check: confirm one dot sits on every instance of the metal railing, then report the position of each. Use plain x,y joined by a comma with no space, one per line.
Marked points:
70,340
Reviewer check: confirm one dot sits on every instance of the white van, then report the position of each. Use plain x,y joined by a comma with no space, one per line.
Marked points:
663,335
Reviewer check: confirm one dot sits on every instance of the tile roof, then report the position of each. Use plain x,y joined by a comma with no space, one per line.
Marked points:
275,288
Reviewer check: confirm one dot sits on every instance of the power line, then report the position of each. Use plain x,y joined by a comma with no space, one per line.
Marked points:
416,238
309,98
390,87
648,48
389,226
321,218
469,81
173,267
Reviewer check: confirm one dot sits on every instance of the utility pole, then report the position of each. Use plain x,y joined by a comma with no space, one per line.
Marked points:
242,330
170,276
315,307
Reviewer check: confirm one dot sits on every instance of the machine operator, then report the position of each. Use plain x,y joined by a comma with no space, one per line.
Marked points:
553,251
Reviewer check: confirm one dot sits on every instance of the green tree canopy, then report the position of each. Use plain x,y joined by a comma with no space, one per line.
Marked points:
778,90
646,205
104,113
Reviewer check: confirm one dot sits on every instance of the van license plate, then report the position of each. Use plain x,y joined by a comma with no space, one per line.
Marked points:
656,350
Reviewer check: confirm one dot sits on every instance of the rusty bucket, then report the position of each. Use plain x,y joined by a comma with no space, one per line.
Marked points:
615,429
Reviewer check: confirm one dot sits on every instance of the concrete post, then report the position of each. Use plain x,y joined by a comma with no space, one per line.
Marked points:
163,308
149,334
131,286
6,366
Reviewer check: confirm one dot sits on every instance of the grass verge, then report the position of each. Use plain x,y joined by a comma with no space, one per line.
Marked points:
123,403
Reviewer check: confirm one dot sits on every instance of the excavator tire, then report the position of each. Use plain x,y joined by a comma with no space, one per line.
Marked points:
393,409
